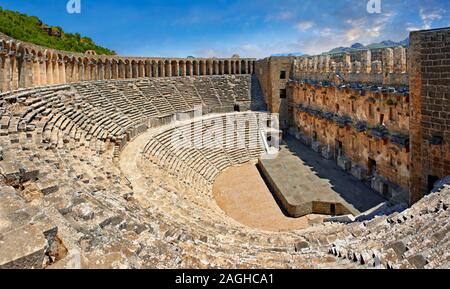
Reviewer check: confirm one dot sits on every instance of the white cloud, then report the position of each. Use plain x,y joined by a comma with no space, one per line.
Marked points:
361,35
305,25
412,28
428,16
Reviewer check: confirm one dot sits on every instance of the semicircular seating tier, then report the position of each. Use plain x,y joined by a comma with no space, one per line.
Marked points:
88,174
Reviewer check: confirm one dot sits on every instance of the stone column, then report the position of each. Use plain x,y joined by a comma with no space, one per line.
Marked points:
169,68
195,66
315,64
347,63
366,61
23,72
216,68
14,72
29,70
320,64
90,71
108,70
399,59
55,66
154,69
310,67
210,67
148,69
36,71
163,69
220,63
69,70
202,70
62,72
101,71
114,70
141,69
326,64
181,68
8,72
2,73
86,71
191,69
134,70
388,60
43,71
76,71
51,72
82,71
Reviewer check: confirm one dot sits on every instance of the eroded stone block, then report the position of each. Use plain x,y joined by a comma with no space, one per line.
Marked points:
23,248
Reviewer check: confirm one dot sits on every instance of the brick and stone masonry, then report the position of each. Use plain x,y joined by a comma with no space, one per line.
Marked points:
430,109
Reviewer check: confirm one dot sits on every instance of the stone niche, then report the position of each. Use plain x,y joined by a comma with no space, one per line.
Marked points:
344,163
316,146
327,153
359,172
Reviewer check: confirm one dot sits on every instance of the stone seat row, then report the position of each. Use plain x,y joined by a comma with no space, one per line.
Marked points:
176,148
416,238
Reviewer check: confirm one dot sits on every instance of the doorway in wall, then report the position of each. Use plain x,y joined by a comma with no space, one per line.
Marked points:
333,209
386,191
372,167
339,149
431,182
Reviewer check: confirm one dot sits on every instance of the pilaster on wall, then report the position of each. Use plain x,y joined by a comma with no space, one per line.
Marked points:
429,69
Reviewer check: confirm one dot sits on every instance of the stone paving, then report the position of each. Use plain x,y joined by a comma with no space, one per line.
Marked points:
243,195
305,183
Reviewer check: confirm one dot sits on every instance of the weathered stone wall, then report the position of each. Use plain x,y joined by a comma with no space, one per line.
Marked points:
430,109
360,101
24,65
366,132
274,74
359,66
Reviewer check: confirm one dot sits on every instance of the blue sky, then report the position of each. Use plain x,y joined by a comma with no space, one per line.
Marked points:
250,28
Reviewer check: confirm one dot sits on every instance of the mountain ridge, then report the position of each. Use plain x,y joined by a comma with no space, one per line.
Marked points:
359,46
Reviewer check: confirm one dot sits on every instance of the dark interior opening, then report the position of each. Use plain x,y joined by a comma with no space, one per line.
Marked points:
372,166
282,93
381,119
282,74
333,209
431,182
339,149
237,108
386,191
